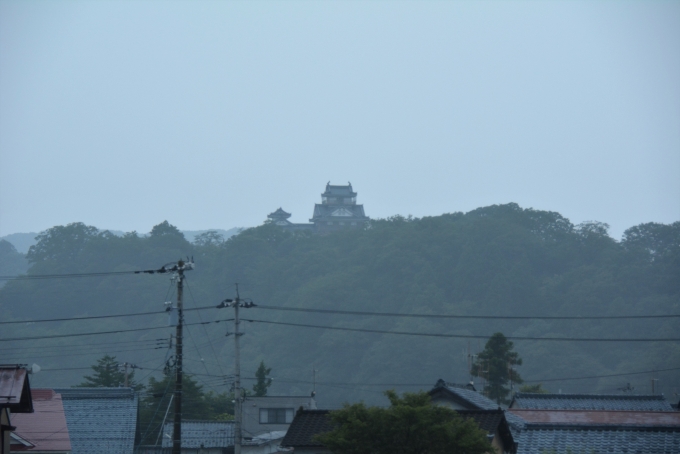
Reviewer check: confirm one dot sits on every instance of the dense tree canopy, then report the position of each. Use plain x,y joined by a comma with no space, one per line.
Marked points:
410,425
499,260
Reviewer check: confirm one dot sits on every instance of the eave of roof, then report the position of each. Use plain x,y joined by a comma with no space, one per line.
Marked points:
15,389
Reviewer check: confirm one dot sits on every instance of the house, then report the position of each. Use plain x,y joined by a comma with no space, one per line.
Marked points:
15,398
266,414
43,431
204,437
624,402
338,210
466,397
100,420
307,424
563,423
597,439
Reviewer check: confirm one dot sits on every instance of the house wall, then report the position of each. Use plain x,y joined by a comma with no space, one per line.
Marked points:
252,426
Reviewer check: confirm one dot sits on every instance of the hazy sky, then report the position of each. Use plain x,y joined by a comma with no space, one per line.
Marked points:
214,114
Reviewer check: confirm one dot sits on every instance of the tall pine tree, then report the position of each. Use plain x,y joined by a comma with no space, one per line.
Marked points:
494,365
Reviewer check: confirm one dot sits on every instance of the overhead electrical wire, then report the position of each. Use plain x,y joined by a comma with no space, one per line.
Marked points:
205,331
95,317
465,336
25,277
56,336
544,380
481,317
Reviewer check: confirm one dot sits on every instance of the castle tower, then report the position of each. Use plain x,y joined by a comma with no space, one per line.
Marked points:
280,217
338,209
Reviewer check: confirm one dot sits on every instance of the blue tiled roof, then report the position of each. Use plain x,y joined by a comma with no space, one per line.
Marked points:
100,420
591,402
202,434
541,439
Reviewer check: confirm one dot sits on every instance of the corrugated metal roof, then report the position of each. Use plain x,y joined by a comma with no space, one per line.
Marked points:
561,439
591,402
15,390
46,427
615,417
202,434
100,420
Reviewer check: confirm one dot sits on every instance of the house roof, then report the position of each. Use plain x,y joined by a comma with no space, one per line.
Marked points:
596,439
265,438
100,420
305,425
599,417
15,390
465,395
492,421
202,434
468,397
45,428
590,402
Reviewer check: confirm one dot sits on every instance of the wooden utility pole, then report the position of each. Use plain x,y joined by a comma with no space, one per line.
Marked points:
177,427
238,413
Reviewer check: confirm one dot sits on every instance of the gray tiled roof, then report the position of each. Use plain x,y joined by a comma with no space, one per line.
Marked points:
206,434
561,439
341,190
478,401
100,420
591,402
305,426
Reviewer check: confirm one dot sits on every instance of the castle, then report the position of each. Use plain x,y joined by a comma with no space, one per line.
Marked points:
338,210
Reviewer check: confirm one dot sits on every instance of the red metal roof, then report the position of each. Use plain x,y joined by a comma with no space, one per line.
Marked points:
45,428
599,417
15,391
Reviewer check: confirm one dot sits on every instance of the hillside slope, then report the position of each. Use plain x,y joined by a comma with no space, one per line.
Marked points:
497,260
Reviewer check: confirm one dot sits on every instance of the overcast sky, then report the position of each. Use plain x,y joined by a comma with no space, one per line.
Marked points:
214,114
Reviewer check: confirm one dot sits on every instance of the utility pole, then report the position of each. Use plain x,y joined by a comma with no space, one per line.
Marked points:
238,400
177,427
125,366
238,412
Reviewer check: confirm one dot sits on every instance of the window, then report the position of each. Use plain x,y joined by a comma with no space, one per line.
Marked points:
276,415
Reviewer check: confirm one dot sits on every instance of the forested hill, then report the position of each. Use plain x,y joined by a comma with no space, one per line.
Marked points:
497,260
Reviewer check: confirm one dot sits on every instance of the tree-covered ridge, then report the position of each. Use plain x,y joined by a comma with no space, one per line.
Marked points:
500,260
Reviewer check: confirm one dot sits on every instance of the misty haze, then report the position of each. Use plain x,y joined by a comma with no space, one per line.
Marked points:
339,227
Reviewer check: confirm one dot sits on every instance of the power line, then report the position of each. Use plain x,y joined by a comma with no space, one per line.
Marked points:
167,268
61,347
31,277
602,376
545,380
56,336
467,336
481,317
95,317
